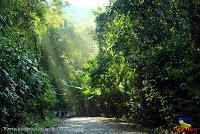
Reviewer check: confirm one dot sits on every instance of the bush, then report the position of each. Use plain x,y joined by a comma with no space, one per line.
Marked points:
24,88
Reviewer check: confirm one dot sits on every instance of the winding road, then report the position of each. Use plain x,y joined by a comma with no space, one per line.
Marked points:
94,125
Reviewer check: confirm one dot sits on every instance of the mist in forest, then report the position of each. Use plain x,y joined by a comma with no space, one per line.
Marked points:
134,60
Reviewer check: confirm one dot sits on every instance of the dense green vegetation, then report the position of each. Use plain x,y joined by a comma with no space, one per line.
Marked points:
40,54
147,69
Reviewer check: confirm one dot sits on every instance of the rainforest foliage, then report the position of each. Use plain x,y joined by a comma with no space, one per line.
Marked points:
148,66
147,69
40,52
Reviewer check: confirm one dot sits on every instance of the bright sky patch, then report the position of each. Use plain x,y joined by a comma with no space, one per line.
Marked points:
88,3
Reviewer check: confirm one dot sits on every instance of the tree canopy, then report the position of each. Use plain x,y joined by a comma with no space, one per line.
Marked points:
148,64
145,69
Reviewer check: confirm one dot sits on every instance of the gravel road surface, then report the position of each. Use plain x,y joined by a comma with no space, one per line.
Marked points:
94,125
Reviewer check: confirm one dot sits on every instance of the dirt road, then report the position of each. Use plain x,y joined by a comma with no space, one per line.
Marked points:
94,125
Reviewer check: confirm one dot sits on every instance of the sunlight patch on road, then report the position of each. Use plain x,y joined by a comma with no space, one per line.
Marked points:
91,119
80,119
